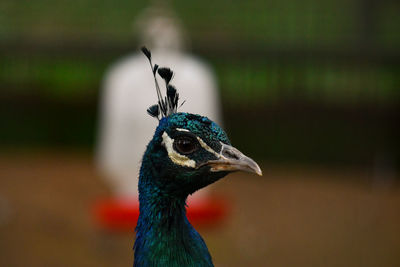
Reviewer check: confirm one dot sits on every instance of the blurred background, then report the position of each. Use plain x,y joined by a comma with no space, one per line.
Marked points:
310,89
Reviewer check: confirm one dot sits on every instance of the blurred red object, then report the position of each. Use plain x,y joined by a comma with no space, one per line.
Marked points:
121,214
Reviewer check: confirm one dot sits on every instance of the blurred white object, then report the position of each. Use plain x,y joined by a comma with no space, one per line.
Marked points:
128,91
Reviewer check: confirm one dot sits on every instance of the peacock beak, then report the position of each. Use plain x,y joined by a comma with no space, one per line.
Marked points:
231,159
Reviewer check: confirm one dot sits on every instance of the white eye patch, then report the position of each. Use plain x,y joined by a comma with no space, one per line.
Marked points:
206,147
178,158
182,130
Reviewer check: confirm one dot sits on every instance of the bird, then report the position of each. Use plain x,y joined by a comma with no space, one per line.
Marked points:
187,152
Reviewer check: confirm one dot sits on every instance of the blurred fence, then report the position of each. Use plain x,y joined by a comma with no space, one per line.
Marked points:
300,80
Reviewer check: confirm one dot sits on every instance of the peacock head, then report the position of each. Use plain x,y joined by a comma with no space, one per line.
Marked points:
189,151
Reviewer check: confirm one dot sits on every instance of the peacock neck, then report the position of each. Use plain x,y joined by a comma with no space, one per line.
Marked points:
164,236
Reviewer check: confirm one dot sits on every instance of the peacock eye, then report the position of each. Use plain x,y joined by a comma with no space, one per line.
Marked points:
185,145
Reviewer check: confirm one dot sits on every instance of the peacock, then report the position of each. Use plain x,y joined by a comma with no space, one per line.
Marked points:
187,153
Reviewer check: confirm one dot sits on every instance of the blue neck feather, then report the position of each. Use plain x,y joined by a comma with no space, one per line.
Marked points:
164,236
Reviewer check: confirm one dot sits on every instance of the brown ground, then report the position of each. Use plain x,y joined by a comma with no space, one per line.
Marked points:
293,216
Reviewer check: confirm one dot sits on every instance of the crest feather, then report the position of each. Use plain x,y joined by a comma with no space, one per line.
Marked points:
166,74
166,105
146,52
154,111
